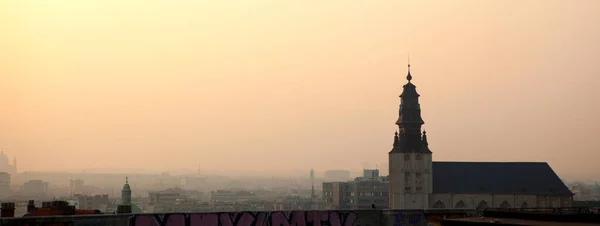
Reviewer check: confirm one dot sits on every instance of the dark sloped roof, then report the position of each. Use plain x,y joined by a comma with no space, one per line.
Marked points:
497,177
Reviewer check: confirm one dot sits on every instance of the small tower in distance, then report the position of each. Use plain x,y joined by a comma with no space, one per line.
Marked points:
315,203
126,193
312,183
125,206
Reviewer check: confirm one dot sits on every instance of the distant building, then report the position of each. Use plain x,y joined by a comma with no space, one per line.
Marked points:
95,202
76,186
5,165
35,188
294,202
55,208
174,199
126,193
337,175
416,182
361,193
5,184
315,202
585,192
231,196
164,201
126,205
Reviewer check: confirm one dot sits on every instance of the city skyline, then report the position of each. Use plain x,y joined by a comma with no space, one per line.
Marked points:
245,86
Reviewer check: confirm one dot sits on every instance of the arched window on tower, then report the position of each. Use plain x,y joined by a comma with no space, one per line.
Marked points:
418,181
505,205
406,157
418,157
407,181
439,205
482,205
460,205
525,205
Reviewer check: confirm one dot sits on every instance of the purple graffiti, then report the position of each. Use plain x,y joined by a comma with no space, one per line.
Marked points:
294,218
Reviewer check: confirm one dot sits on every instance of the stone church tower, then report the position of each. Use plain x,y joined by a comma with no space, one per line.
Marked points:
410,159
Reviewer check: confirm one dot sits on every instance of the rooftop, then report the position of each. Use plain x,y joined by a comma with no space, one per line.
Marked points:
497,177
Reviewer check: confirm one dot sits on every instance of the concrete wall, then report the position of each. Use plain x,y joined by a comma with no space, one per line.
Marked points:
333,218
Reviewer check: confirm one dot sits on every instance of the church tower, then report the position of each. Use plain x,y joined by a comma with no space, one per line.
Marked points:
410,159
125,206
126,193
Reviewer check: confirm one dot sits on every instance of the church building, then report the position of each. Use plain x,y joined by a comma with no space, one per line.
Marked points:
416,182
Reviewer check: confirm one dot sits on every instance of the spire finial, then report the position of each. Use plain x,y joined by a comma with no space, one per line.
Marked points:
127,180
408,77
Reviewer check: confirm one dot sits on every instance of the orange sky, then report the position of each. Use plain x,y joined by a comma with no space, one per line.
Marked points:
260,84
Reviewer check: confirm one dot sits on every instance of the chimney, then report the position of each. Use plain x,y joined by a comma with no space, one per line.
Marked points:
123,209
8,209
31,206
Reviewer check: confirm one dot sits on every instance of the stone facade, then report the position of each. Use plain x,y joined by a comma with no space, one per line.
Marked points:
410,181
479,201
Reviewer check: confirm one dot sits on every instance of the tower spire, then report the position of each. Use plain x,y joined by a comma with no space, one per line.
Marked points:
409,119
409,77
312,183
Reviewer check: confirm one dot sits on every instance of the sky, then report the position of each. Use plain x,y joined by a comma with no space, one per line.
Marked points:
281,85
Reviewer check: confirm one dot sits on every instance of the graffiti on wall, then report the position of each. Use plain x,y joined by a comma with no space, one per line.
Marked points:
403,219
68,221
295,218
436,219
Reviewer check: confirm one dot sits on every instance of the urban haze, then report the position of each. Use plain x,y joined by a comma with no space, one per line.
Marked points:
215,106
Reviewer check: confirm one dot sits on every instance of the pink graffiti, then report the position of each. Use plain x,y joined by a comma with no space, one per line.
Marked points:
295,218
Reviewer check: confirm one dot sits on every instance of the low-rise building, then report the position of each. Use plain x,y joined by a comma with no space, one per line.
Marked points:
367,192
35,188
5,185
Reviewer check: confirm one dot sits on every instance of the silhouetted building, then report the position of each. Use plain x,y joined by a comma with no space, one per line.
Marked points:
315,202
293,202
416,182
126,193
5,165
125,207
76,186
4,184
361,193
35,188
231,196
96,202
55,208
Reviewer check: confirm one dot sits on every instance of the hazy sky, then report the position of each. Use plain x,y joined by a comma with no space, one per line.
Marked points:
232,85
